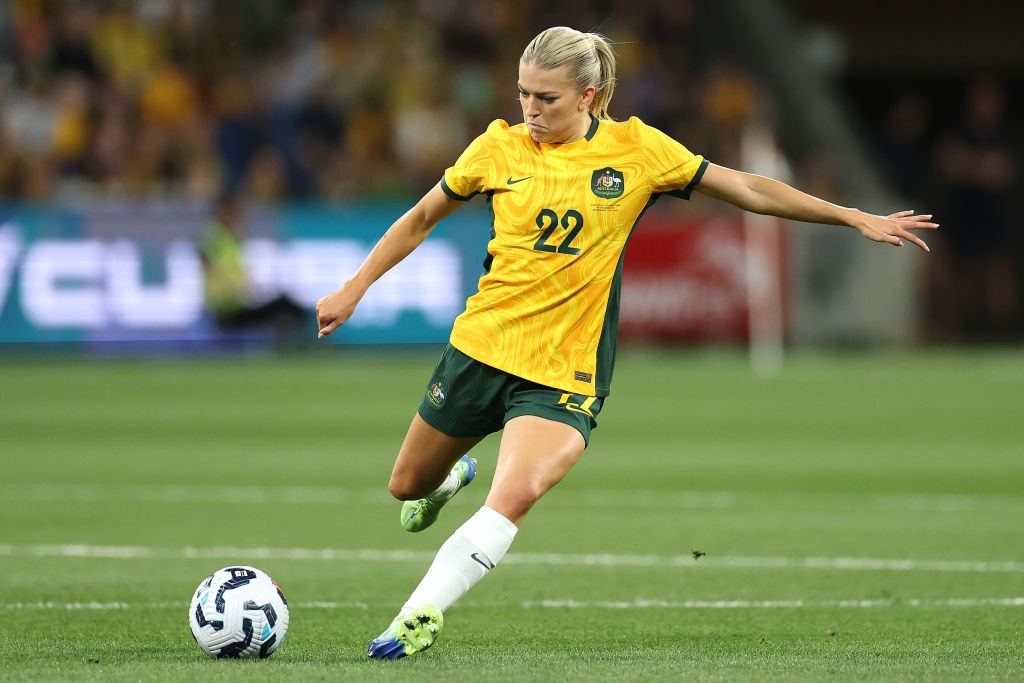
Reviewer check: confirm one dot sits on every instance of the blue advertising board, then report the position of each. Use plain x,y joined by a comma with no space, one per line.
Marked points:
132,273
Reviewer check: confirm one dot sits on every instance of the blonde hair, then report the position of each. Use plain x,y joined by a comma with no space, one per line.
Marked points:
589,56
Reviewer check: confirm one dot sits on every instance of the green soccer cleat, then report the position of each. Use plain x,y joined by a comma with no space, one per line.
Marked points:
408,634
417,515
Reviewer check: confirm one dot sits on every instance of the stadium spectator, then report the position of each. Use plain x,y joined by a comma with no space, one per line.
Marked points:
229,293
532,354
978,171
282,101
904,146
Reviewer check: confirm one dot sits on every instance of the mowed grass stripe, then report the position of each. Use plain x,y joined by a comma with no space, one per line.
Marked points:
966,603
576,560
637,499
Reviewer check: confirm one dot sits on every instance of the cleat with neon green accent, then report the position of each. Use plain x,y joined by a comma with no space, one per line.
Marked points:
408,634
417,515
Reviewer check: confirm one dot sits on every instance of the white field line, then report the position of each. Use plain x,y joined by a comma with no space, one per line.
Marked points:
633,499
576,604
238,554
776,604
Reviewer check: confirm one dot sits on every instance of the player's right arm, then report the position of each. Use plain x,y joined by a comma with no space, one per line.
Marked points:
404,235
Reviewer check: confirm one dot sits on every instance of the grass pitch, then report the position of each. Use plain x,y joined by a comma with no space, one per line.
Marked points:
858,517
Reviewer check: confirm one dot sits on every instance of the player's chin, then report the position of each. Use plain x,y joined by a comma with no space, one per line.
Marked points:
539,134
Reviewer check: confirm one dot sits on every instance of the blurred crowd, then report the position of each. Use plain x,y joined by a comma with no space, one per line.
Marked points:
309,99
338,100
964,161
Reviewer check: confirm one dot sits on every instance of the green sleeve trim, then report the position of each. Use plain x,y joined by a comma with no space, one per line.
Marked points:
453,194
694,181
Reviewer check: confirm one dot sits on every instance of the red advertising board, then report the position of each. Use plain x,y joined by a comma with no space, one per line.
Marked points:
684,280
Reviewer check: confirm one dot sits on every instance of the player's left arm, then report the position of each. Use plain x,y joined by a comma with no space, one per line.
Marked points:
762,195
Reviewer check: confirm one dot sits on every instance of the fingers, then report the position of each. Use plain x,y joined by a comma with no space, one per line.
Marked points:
327,329
910,237
908,220
914,239
325,323
917,222
921,220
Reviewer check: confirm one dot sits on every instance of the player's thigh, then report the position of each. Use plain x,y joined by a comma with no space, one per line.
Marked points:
426,457
535,454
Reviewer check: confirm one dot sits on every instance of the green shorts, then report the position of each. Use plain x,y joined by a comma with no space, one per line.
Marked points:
466,398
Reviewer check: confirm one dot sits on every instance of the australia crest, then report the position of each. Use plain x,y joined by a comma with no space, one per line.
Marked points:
436,394
607,183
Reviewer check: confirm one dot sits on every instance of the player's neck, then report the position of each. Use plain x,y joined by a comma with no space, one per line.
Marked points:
581,129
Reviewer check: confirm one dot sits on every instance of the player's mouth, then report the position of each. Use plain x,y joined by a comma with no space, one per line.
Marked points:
538,132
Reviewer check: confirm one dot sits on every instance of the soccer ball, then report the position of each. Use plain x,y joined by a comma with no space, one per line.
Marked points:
238,612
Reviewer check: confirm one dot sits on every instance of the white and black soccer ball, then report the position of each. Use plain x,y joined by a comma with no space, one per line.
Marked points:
238,612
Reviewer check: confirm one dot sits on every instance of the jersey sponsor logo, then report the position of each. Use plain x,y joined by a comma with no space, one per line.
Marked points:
607,183
510,181
435,394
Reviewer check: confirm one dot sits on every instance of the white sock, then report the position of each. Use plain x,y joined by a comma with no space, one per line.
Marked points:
465,558
447,489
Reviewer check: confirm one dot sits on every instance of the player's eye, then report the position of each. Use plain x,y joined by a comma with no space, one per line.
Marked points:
546,99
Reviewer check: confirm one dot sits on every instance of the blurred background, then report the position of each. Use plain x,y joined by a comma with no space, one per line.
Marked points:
181,175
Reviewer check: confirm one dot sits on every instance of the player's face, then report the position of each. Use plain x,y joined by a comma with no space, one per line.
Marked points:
553,109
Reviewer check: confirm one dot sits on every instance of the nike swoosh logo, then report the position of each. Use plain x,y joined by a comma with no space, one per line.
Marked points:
485,564
517,180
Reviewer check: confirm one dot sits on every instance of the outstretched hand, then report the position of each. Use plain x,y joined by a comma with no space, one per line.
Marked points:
334,310
895,227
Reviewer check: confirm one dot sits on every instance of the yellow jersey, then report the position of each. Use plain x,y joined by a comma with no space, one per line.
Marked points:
547,305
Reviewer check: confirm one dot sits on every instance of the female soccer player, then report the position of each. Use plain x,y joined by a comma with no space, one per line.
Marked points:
533,352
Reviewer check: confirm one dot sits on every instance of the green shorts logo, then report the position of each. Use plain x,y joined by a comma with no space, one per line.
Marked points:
607,183
435,394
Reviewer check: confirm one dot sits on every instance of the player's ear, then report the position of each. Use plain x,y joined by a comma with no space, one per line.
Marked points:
587,97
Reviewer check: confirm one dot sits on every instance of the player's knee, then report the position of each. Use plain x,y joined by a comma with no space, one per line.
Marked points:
399,488
404,487
515,502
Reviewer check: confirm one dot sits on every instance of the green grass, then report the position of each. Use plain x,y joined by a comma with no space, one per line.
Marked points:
862,518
